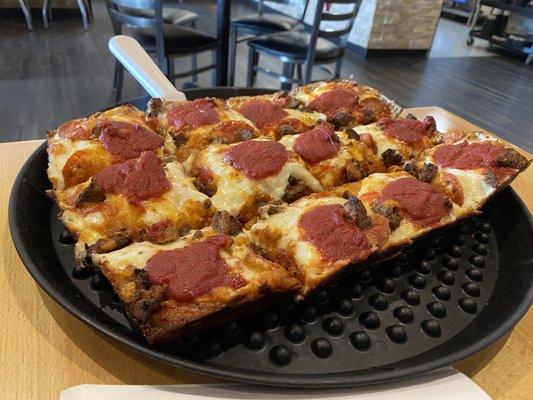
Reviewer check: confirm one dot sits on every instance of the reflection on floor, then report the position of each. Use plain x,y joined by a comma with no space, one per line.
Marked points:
49,76
450,41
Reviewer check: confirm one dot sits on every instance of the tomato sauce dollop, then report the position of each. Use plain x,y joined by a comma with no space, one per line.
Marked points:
468,155
193,114
409,131
262,113
317,144
419,201
125,140
337,99
193,270
257,159
137,179
334,237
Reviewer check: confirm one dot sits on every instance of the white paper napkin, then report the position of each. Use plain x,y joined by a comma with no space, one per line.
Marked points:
444,384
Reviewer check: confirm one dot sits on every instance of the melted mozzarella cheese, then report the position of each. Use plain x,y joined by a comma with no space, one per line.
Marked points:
234,189
61,150
174,200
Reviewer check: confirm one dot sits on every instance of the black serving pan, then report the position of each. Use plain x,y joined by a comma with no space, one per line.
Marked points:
446,297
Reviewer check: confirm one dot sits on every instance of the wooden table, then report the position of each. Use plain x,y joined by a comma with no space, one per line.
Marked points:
44,349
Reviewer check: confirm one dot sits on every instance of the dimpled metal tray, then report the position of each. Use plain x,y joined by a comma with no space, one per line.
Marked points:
447,296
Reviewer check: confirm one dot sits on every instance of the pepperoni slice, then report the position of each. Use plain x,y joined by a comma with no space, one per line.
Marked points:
317,145
138,179
409,131
257,159
419,201
193,114
193,270
337,99
468,155
262,112
126,140
334,237
74,130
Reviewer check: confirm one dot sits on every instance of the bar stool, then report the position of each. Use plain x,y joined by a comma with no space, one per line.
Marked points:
262,23
296,48
166,41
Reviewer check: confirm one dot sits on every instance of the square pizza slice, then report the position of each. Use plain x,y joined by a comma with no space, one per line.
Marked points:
240,177
470,167
80,148
195,124
344,102
197,281
274,115
141,199
334,158
319,235
396,141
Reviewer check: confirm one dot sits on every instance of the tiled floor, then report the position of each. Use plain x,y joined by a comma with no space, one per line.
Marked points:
450,41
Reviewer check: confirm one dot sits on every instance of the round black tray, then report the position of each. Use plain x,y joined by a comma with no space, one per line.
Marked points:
446,297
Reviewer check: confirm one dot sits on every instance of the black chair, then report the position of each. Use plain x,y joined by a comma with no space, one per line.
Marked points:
295,48
146,24
262,23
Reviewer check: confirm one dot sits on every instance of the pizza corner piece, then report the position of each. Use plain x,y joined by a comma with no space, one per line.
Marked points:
166,295
145,198
80,148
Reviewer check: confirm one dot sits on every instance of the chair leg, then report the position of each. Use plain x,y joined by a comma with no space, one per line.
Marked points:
338,67
253,60
299,72
119,82
46,7
26,12
194,60
118,65
214,74
232,55
288,72
170,70
89,8
308,73
83,12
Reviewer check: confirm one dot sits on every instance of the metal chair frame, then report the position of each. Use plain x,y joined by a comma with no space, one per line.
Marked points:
27,15
85,7
287,76
234,33
120,18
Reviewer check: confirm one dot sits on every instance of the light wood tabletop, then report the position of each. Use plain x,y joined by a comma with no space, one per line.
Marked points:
44,349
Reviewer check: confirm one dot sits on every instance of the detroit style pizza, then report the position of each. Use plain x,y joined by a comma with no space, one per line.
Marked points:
198,211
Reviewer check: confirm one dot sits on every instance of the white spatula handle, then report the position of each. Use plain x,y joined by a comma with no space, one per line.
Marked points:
133,57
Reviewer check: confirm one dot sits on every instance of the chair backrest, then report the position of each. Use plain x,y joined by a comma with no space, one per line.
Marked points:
343,21
300,6
120,13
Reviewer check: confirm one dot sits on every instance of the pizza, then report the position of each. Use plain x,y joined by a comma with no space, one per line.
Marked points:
320,234
476,163
344,102
333,157
275,115
240,177
80,148
199,211
166,294
142,198
193,125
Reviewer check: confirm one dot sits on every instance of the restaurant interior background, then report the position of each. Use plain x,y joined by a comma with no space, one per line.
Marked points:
419,52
